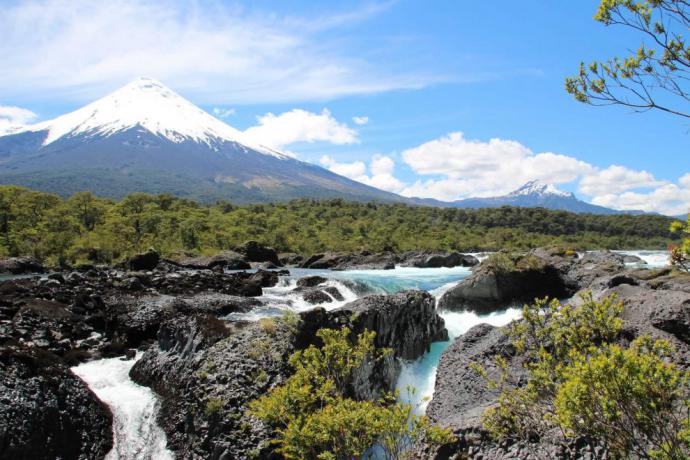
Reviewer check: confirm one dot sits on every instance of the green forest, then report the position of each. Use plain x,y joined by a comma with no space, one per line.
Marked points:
86,228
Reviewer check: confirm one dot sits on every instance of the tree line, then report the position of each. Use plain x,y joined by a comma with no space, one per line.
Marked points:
86,228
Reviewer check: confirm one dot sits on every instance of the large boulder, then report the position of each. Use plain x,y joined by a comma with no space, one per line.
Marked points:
438,259
206,370
490,288
46,412
363,260
20,266
256,252
290,258
407,322
145,261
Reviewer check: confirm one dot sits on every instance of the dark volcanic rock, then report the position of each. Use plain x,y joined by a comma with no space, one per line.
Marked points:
461,395
144,261
230,260
206,371
20,266
425,259
488,289
539,273
290,258
350,261
256,252
406,322
316,297
311,281
46,412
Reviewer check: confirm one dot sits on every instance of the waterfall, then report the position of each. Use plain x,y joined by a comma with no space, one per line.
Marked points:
136,434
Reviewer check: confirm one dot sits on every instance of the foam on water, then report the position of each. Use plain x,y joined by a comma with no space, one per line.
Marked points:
654,259
136,434
421,374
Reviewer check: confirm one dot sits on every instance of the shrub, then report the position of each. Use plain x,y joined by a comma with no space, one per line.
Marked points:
500,262
268,325
213,406
680,254
316,420
632,400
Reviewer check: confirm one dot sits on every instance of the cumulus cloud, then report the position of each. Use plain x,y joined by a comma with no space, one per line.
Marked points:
670,199
476,168
12,118
616,179
223,113
299,125
458,167
360,120
381,169
215,52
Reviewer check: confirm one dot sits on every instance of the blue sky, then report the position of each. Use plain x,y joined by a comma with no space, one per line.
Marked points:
460,98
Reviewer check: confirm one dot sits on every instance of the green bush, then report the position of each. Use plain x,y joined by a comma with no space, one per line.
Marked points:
580,382
315,419
680,254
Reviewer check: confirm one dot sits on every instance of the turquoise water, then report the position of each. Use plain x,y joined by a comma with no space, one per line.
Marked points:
419,374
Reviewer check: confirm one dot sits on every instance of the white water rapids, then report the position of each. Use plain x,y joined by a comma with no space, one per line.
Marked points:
136,434
134,407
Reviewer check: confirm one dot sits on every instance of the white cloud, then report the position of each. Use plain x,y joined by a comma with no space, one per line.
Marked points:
223,113
381,164
616,179
215,52
360,120
477,168
299,125
670,199
14,117
354,170
461,168
381,168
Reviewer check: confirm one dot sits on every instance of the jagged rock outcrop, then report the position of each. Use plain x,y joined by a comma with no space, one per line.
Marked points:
655,303
206,371
21,266
46,412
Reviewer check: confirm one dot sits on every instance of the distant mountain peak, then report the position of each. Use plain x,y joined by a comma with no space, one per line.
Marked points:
147,104
536,187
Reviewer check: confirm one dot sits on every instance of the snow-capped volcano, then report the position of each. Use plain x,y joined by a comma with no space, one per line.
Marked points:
148,104
145,137
538,188
533,194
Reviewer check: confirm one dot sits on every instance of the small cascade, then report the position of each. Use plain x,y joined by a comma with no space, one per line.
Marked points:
136,434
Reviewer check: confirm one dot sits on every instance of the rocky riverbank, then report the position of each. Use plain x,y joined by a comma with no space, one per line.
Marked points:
205,369
656,303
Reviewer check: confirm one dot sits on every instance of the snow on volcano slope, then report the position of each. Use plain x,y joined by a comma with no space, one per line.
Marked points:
146,138
148,104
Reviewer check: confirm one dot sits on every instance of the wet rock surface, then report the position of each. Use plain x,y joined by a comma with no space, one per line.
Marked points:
46,412
206,371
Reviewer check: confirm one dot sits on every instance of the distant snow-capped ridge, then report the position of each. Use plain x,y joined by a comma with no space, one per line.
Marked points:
149,105
536,187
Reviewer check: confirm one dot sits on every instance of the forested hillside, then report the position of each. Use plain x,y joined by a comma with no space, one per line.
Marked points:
88,228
